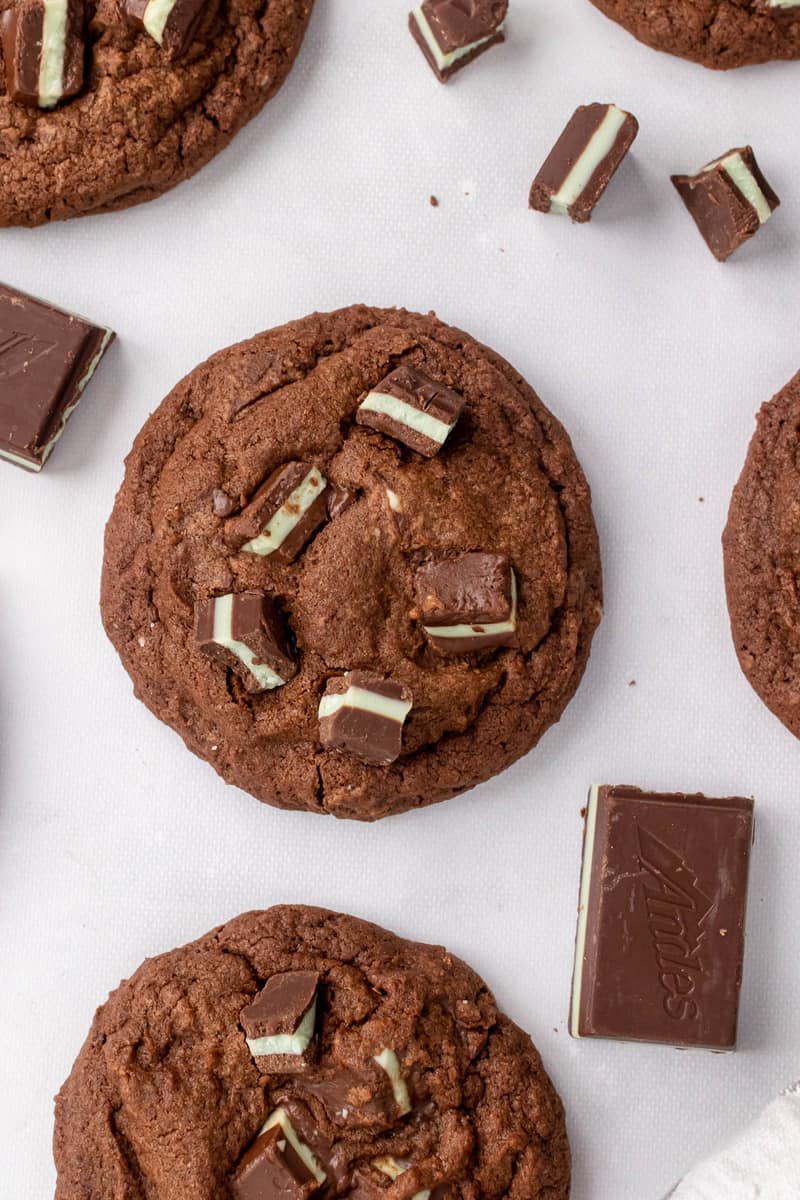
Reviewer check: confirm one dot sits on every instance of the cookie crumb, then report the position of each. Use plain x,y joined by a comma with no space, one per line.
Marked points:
434,201
631,683
583,812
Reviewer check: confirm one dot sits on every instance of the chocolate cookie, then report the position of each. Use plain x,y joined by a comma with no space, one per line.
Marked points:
717,33
762,558
353,564
135,98
408,1073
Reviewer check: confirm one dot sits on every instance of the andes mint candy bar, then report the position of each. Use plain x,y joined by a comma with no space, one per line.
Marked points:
280,1024
363,715
278,1165
283,514
660,942
451,33
245,632
171,23
362,1098
43,50
467,602
778,8
583,161
410,406
729,200
47,357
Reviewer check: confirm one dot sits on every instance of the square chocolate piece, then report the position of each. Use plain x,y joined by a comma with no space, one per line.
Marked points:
245,632
280,1024
729,200
278,1165
363,715
660,943
412,408
171,23
467,602
583,161
451,33
283,514
43,49
47,356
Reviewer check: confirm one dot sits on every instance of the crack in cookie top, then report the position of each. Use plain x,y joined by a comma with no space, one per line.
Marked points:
346,604
298,1053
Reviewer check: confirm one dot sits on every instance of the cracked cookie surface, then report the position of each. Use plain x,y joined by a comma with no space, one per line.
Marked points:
165,1097
143,122
506,482
761,545
717,33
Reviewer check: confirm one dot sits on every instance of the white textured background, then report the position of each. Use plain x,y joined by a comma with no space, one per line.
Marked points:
115,843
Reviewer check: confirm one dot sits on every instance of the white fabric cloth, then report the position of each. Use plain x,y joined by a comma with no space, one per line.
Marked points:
763,1162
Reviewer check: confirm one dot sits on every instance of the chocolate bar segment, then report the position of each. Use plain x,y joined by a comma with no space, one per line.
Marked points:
412,408
47,357
43,50
780,8
583,161
660,943
451,33
364,715
371,1182
245,632
729,200
278,1166
280,1024
467,602
171,23
283,514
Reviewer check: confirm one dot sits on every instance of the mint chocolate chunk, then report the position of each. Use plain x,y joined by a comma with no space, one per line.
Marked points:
467,602
363,715
280,1024
583,161
245,632
729,200
412,408
43,50
451,33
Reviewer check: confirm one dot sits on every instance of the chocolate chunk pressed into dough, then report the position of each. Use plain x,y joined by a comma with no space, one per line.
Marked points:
717,33
144,122
761,545
507,482
165,1098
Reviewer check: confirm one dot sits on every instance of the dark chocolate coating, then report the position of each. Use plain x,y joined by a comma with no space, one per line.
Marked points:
665,918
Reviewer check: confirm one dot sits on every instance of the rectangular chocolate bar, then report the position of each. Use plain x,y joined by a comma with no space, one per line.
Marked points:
47,356
729,200
583,161
660,942
451,33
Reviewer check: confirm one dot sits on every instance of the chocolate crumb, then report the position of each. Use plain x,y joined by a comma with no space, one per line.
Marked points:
434,201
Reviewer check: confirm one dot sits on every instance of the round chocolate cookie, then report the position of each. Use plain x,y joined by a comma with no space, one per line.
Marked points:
124,116
299,1053
762,558
353,564
717,33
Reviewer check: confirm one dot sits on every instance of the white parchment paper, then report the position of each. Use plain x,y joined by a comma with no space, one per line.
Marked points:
115,843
